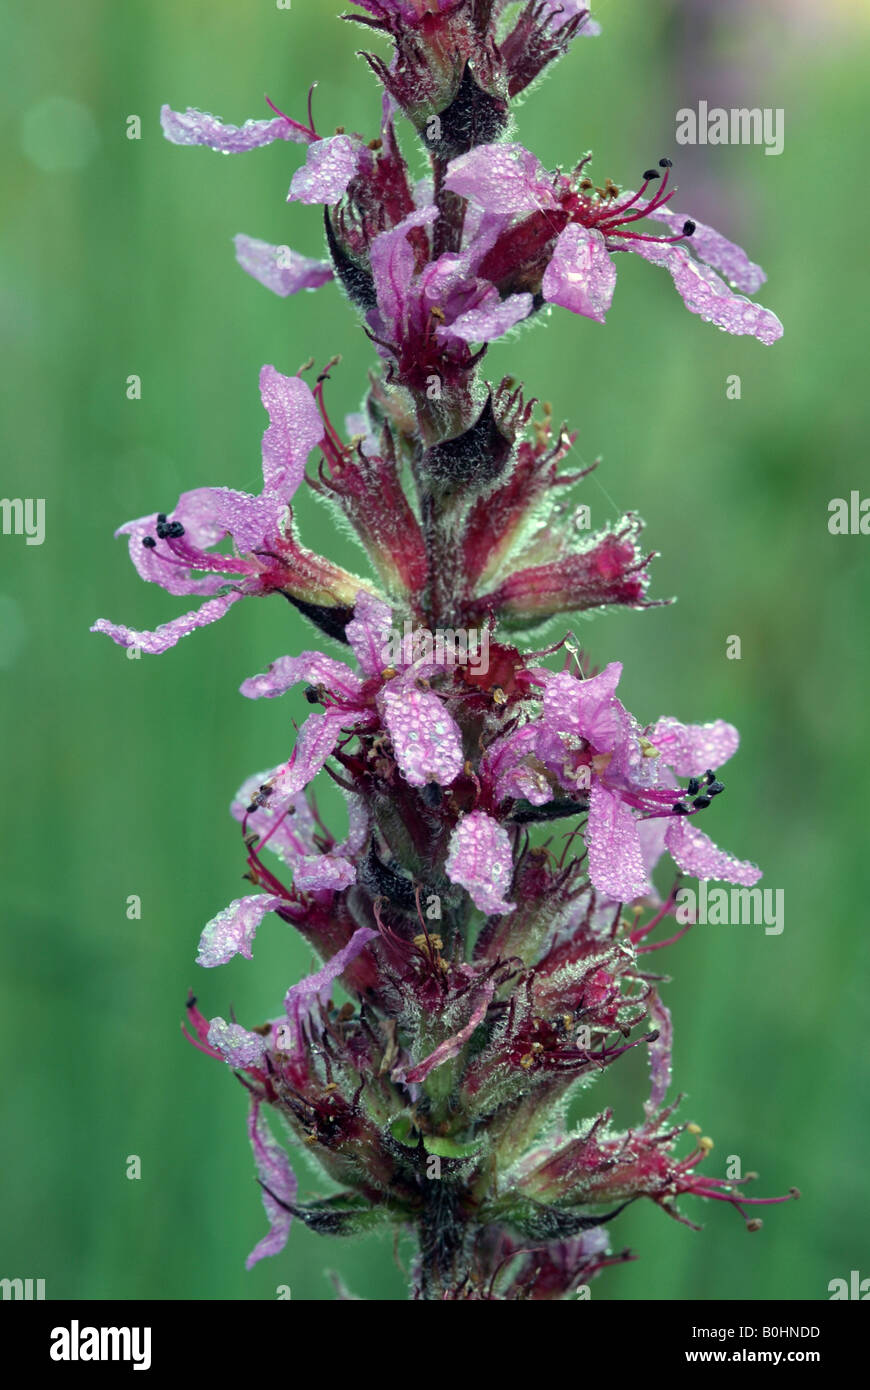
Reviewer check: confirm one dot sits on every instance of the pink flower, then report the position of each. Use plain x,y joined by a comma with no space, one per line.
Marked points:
487,972
603,1166
426,741
429,310
586,744
563,233
177,550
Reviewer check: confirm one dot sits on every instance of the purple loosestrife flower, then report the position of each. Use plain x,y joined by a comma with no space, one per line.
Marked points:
426,318
367,183
288,1036
501,814
560,233
176,550
599,1165
585,742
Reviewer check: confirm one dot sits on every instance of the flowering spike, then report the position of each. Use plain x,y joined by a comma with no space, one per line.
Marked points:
489,905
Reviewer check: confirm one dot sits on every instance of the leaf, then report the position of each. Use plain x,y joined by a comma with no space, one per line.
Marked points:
539,1221
346,1214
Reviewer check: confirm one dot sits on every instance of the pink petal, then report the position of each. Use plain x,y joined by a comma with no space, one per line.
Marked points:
357,426
704,293
581,275
502,179
319,985
695,853
203,515
716,250
295,429
692,748
288,832
481,861
319,873
317,738
193,127
587,708
167,634
278,1182
250,521
369,631
312,667
236,1045
329,168
393,262
488,322
651,833
426,741
158,565
232,931
281,270
510,763
616,865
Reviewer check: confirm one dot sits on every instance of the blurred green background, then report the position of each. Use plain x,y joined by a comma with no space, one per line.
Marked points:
117,259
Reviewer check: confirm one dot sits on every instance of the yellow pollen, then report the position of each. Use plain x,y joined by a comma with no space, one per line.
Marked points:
648,749
706,1143
425,943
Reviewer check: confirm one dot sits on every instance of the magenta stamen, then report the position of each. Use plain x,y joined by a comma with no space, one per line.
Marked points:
641,213
306,130
266,877
191,558
200,1046
279,821
645,236
657,945
640,932
622,207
